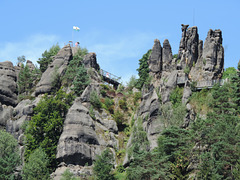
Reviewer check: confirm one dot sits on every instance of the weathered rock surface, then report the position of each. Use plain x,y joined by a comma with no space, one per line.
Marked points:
188,49
166,56
57,67
5,115
90,61
83,138
8,85
149,112
155,59
30,65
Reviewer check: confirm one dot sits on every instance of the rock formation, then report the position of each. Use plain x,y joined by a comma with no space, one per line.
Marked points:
8,85
56,68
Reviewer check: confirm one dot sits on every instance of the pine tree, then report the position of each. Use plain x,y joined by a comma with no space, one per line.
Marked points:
81,80
103,166
47,57
220,136
143,70
37,166
9,155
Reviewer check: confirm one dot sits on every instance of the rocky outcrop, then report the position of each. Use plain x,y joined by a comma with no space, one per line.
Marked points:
149,112
55,69
83,137
188,49
90,61
155,59
8,85
30,65
209,66
166,56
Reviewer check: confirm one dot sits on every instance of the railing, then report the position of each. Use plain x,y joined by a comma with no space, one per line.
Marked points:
209,84
109,75
202,84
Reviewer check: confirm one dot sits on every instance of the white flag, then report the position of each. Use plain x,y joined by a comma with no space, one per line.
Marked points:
76,28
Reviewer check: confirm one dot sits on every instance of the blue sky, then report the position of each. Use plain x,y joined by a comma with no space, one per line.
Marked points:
119,32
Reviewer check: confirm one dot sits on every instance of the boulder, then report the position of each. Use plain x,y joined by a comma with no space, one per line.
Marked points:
57,67
8,85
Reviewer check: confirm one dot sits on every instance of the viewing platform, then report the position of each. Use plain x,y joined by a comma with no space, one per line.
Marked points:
110,78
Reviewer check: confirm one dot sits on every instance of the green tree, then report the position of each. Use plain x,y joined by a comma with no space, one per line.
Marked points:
73,66
9,155
229,73
103,166
81,80
47,57
46,125
219,134
143,70
21,59
37,166
25,80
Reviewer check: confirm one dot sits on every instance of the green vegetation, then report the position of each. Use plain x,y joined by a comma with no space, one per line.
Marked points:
21,59
27,79
176,96
143,70
75,68
47,57
67,175
187,70
46,125
81,80
229,73
204,62
175,55
9,155
37,166
95,100
103,166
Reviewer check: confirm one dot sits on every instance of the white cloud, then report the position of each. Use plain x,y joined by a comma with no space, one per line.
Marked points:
32,47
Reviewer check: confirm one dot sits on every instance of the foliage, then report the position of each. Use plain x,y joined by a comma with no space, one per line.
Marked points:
175,55
21,59
25,81
47,57
176,96
91,112
119,119
200,101
204,62
123,104
95,100
132,82
229,73
36,167
219,134
136,97
143,70
73,66
46,125
103,166
108,104
172,116
67,175
9,155
187,70
81,80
